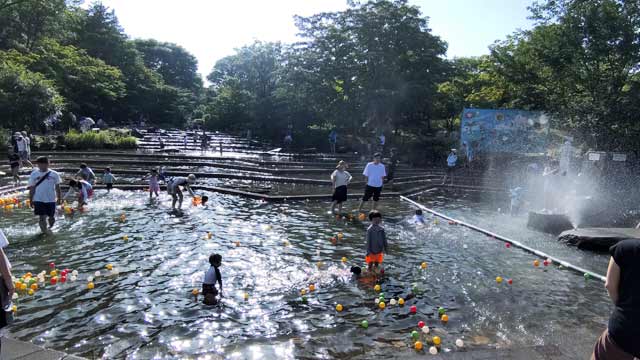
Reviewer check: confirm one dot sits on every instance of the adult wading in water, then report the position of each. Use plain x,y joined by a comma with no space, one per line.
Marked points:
621,340
173,188
374,174
44,193
340,178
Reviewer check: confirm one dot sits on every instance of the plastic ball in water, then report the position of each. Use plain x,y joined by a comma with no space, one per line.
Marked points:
31,292
14,308
63,279
34,287
304,299
245,296
381,295
54,280
109,267
303,292
536,263
364,324
436,340
393,302
344,259
90,286
413,309
52,265
510,282
90,279
587,276
423,265
507,245
333,240
339,308
209,235
74,273
73,278
381,305
499,279
377,287
362,217
445,318
97,273
377,301
125,238
312,287
425,329
441,311
53,273
415,335
433,350
195,292
420,324
382,271
340,236
401,301
417,345
545,263
459,343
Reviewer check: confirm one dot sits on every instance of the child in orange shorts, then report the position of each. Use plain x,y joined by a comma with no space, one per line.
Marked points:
376,240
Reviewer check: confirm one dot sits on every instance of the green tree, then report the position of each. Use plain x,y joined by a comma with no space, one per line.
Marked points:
176,65
26,98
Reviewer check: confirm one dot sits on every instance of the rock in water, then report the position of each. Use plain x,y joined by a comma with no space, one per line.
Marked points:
598,239
549,223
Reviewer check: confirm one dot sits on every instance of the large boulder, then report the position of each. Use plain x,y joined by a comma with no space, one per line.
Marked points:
597,239
549,223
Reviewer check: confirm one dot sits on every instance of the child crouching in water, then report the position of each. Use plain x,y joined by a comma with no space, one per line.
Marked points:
84,190
212,276
376,239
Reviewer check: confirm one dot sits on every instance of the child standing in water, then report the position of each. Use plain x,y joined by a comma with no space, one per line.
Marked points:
108,179
211,277
14,162
154,183
376,240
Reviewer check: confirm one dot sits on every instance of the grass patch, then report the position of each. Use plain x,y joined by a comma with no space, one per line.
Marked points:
104,139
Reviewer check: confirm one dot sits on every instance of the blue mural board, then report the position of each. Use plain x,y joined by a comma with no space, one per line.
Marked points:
500,131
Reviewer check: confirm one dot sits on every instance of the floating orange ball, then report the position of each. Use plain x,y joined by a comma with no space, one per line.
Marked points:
312,287
362,217
536,263
418,345
445,318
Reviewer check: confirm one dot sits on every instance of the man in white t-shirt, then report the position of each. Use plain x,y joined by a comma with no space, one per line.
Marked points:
44,193
374,174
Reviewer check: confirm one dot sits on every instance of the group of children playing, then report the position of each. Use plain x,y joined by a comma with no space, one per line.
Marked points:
376,246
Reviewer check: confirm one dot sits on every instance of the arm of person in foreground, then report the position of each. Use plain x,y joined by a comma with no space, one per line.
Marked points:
189,190
613,280
6,274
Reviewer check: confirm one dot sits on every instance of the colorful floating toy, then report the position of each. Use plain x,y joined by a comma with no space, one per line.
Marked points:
344,259
436,340
52,265
340,236
545,263
303,292
109,267
339,308
304,299
195,292
451,222
364,324
417,345
425,329
445,318
90,286
507,245
433,350
423,265
362,217
381,305
312,287
441,311
510,282
245,296
587,276
209,235
125,238
415,335
377,288
393,302
499,279
459,343
420,324
536,263
413,309
400,301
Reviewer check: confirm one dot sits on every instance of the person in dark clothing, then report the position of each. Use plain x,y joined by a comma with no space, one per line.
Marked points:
211,277
376,240
621,340
391,167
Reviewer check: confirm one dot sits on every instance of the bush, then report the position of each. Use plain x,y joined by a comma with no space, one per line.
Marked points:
105,139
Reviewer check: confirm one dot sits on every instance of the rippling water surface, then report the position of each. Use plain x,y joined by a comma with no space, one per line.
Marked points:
271,252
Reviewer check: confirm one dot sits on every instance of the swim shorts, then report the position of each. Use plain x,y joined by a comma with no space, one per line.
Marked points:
374,258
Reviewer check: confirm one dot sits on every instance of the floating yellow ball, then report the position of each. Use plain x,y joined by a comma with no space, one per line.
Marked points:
31,292
536,263
195,292
401,301
340,236
499,279
339,308
445,318
303,291
312,287
418,345
344,259
34,287
377,288
436,340
109,267
90,286
209,235
423,265
246,296
125,238
381,305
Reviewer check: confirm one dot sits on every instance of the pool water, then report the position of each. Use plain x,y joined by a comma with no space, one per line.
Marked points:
271,252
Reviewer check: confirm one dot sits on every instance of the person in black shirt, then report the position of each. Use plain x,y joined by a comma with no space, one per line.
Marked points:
621,340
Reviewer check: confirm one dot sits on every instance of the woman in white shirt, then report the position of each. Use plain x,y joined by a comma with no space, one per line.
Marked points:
340,178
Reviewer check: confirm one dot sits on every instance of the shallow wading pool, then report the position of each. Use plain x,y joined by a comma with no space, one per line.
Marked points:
271,252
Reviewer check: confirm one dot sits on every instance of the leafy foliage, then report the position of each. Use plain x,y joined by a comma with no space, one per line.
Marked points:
106,139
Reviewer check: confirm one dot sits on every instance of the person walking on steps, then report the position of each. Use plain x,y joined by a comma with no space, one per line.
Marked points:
452,161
